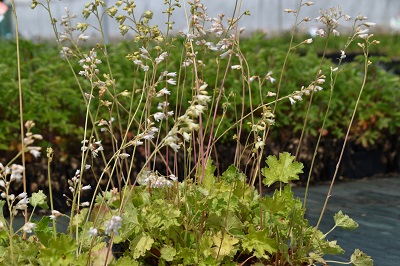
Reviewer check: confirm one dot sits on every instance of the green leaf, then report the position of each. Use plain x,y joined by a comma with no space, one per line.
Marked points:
130,224
39,199
209,178
282,170
259,242
61,251
233,225
140,245
344,221
125,261
232,174
225,245
43,231
359,258
168,253
205,245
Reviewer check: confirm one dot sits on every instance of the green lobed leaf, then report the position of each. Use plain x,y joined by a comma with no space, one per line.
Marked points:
232,174
39,199
168,253
344,221
224,245
140,245
125,261
64,254
259,242
282,170
359,258
43,231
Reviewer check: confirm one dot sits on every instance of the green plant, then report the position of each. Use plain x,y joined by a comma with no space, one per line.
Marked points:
177,209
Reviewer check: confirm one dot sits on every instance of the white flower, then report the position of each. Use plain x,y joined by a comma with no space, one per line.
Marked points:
369,24
28,227
35,151
85,204
124,155
361,17
186,136
113,225
335,33
143,50
292,101
22,204
173,177
161,57
365,31
203,99
92,232
37,136
22,195
172,74
297,97
83,37
320,32
136,142
171,81
16,172
159,116
55,214
342,54
87,187
308,41
174,146
225,54
236,67
259,144
2,183
163,92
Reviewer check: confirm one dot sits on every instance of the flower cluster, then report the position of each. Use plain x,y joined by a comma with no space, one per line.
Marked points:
313,87
186,124
155,180
95,147
330,18
30,139
76,186
89,65
112,226
8,174
14,172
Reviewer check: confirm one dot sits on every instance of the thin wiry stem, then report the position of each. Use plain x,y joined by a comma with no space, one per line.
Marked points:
366,65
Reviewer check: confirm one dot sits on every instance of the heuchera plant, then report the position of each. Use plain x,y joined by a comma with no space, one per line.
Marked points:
177,209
